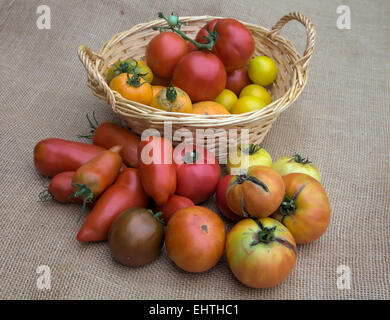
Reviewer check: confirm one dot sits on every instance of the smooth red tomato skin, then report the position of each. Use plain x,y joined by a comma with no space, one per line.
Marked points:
163,53
53,156
158,177
234,45
221,199
109,134
201,75
237,79
174,204
196,181
260,265
312,215
124,194
195,239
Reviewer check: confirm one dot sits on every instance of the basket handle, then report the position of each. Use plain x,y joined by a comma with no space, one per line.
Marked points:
88,58
310,31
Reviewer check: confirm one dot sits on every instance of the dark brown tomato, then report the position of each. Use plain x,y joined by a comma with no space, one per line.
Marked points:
136,237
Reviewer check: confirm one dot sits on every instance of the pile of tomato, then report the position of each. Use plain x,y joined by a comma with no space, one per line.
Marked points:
215,73
142,195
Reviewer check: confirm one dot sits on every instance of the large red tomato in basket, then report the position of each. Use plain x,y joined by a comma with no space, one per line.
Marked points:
234,44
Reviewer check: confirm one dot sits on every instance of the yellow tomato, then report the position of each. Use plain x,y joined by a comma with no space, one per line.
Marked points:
227,98
132,87
262,70
247,156
296,164
172,99
256,91
129,65
248,104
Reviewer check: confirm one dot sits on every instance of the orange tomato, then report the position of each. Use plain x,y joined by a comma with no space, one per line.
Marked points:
209,108
172,99
133,87
156,89
258,193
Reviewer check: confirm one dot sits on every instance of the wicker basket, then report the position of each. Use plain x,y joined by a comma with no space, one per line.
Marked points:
291,79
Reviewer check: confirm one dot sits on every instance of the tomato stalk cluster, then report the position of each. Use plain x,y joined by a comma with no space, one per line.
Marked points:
174,24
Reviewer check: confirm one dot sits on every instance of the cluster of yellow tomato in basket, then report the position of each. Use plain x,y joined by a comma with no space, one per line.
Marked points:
213,74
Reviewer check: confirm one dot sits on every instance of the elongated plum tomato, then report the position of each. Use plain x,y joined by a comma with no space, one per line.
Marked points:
261,253
197,172
221,199
163,53
201,75
258,193
125,193
195,239
156,168
234,44
305,210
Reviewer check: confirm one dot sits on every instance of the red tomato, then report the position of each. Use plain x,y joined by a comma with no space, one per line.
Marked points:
257,194
163,53
53,156
261,253
234,44
92,178
174,204
197,172
124,194
195,239
201,75
237,79
156,167
305,210
221,199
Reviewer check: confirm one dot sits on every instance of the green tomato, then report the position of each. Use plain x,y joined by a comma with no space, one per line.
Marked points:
296,164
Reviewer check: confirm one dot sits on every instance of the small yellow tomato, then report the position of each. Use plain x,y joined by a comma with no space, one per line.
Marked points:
256,91
248,104
227,98
296,164
247,156
262,70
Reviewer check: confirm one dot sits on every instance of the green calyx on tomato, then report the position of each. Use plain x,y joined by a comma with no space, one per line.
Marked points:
123,67
265,235
157,216
83,191
298,159
252,149
174,24
288,206
135,80
171,94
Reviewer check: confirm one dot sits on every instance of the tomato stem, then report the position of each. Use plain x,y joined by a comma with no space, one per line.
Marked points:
252,149
287,207
171,93
135,80
298,159
83,192
45,195
191,157
157,216
266,235
92,125
175,27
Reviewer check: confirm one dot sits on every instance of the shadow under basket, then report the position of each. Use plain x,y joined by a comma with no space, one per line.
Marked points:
217,132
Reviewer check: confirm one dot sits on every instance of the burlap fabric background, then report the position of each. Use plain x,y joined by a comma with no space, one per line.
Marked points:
341,121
